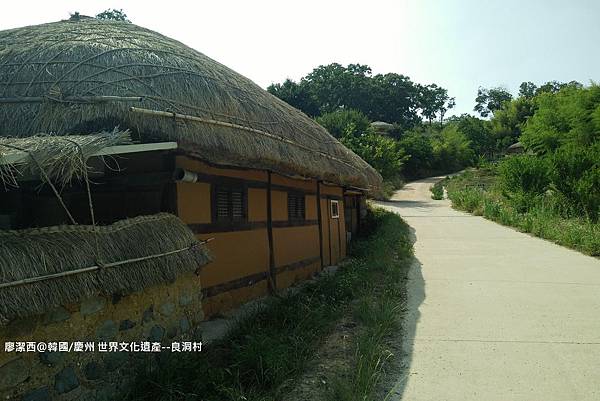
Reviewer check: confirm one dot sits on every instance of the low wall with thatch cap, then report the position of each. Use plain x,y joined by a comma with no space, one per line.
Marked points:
155,297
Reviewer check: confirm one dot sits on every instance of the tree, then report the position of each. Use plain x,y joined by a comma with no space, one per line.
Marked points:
571,115
296,95
490,100
452,149
382,153
391,97
113,15
527,89
478,132
394,99
433,101
556,86
343,121
335,86
449,104
508,122
420,154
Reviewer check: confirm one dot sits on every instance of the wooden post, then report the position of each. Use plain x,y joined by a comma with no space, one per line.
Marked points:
319,217
272,269
340,207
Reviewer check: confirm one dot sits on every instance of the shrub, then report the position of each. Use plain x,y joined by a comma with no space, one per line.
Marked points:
452,150
437,191
524,174
420,151
340,121
576,174
382,153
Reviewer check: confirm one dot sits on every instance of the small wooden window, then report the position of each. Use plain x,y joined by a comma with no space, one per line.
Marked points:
335,209
229,204
296,207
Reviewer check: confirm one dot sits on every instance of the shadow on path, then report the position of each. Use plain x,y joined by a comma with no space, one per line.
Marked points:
407,203
397,372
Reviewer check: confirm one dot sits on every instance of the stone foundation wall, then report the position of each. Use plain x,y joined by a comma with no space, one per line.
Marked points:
160,314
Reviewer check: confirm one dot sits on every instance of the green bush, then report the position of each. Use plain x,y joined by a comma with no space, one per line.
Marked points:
420,151
576,174
338,122
452,150
540,219
437,191
524,174
382,153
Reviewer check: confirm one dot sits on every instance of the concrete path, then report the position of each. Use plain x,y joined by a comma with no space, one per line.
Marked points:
494,314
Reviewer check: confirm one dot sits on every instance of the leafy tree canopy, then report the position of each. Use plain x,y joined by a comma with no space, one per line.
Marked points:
571,115
490,100
113,14
529,90
391,97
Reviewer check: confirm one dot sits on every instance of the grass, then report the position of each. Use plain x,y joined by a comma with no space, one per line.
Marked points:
377,313
476,192
378,318
391,185
266,352
437,190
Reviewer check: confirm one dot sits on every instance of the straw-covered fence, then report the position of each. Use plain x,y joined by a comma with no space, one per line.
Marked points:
46,267
89,75
52,158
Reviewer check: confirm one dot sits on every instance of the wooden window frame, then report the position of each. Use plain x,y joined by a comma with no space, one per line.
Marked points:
295,196
229,188
337,206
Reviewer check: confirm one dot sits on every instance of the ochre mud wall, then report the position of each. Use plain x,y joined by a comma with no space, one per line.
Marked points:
241,269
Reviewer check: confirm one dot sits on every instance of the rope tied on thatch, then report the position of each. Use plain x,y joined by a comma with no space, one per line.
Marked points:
57,97
46,267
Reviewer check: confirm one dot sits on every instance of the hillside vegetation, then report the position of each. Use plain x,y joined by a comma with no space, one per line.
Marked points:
553,190
555,121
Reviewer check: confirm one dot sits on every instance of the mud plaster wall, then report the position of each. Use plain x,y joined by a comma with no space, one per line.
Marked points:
244,253
162,313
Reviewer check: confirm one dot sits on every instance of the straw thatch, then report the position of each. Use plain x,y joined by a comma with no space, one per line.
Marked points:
84,76
163,246
53,158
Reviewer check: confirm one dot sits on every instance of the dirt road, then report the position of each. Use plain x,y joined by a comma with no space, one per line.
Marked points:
494,314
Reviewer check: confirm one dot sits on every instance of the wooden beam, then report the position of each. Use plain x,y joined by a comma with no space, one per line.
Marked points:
320,219
21,157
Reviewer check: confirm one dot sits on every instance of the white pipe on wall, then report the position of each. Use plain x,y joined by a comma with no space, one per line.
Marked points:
182,175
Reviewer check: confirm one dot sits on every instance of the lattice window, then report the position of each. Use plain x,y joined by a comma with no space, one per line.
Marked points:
230,204
296,207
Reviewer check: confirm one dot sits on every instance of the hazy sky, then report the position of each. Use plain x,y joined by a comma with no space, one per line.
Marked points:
458,44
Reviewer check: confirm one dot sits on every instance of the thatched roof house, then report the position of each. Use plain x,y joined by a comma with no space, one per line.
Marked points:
135,173
105,125
382,127
515,148
86,75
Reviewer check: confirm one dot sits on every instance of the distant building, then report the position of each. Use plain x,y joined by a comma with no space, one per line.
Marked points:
382,127
515,149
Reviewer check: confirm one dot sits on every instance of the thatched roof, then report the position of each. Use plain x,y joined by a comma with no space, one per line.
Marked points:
516,147
46,267
382,126
84,76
